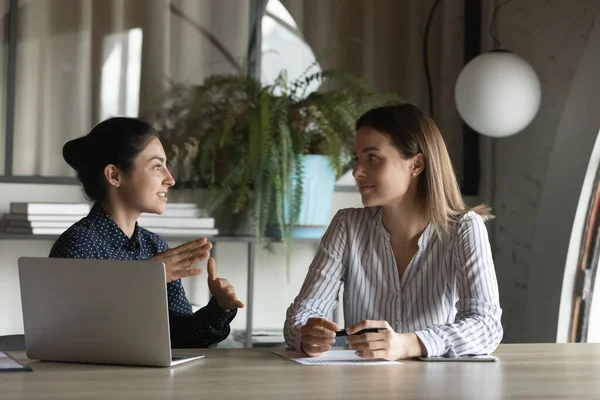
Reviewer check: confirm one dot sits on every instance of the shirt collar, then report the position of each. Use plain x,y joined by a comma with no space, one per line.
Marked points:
115,235
423,239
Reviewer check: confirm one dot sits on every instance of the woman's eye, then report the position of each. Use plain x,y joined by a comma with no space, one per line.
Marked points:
157,167
372,157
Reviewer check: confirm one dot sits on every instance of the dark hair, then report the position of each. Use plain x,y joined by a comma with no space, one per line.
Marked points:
402,123
413,132
114,141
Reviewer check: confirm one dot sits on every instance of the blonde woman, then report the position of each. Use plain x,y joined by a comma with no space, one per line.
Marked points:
415,262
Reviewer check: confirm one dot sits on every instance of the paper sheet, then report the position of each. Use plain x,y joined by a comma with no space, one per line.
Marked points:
332,357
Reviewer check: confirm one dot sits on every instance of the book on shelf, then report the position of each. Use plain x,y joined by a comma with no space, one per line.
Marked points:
56,208
185,232
22,218
148,221
176,213
39,224
50,208
176,232
185,215
34,231
157,221
181,206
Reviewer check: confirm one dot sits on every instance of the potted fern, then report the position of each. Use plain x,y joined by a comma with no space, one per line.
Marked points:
254,147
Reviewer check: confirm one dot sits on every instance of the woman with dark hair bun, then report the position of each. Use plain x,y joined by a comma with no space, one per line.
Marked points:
121,164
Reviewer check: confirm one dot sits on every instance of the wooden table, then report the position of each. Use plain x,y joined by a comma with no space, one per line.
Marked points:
541,371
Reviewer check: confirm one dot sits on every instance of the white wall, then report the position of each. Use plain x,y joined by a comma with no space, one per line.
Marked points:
11,320
564,203
272,292
530,226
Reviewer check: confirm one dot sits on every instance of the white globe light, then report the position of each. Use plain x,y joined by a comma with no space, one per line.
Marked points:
498,94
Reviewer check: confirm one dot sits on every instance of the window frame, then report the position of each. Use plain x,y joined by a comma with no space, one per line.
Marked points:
10,64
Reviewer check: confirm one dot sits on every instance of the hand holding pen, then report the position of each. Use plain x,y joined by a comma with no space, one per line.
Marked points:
380,341
318,335
361,332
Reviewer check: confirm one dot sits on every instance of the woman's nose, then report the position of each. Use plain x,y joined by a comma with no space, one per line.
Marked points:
358,171
169,181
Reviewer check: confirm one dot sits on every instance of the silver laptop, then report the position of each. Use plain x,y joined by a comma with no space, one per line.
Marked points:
97,311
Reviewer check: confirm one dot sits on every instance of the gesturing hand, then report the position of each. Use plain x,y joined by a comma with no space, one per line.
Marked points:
221,289
318,334
180,260
385,344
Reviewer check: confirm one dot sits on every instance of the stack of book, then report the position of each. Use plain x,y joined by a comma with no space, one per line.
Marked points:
179,219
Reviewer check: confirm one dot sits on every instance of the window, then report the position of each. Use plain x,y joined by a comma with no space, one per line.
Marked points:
283,47
103,59
3,53
121,73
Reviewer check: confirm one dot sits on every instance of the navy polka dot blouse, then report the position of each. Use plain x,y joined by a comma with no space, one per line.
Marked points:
97,236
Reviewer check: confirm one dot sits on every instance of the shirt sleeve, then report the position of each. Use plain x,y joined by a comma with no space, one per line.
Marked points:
319,293
206,327
477,328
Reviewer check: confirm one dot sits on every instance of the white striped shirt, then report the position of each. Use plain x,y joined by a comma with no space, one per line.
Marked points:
448,295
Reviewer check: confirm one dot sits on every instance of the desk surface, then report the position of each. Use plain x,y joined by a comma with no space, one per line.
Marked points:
540,371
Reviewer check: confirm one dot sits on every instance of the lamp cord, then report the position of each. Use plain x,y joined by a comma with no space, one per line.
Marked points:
426,56
493,31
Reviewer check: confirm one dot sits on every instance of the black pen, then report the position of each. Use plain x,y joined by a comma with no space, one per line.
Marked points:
368,330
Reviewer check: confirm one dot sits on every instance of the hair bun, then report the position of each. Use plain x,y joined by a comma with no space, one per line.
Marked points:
75,153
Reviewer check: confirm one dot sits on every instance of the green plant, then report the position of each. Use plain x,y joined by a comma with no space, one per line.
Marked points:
243,140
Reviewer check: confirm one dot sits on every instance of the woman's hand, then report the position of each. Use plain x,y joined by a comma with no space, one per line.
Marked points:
180,260
318,334
385,344
221,289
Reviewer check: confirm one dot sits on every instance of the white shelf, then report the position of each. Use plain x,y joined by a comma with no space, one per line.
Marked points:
20,236
260,337
241,239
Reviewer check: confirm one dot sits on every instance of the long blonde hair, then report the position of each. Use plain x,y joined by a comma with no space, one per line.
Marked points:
413,132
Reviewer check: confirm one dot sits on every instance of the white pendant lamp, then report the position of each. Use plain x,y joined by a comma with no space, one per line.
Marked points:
498,93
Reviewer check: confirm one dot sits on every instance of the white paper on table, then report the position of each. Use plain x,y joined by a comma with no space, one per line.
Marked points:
332,357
